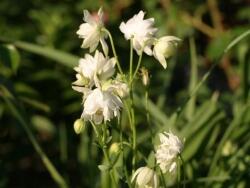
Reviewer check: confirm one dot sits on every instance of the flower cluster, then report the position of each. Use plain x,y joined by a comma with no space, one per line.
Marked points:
142,33
168,151
103,91
101,94
166,156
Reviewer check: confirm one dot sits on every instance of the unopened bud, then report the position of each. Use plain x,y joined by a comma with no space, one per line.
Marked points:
145,76
79,126
114,148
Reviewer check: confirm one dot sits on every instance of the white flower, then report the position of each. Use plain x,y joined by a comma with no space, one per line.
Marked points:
140,31
168,151
92,70
164,48
101,105
145,178
117,87
91,31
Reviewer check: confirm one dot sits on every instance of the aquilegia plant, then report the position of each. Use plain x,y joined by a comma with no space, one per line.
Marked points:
107,93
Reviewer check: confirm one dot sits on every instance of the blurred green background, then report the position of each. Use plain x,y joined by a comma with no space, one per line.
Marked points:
39,47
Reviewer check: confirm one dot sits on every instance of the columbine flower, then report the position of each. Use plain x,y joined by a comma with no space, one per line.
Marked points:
145,178
140,31
92,70
164,48
91,31
117,87
168,151
101,105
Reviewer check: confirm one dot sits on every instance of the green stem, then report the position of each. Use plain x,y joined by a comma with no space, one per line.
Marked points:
178,173
130,112
131,106
113,49
183,171
148,117
237,40
96,131
134,140
102,143
48,164
131,61
138,65
163,179
111,172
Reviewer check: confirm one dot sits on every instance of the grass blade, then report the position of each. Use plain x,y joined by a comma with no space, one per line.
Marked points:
53,54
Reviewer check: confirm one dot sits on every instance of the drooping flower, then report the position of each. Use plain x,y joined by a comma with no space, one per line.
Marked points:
164,48
91,31
168,151
101,105
92,70
140,31
145,178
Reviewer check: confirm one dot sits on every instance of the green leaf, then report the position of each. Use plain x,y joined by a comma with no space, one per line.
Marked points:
204,113
237,121
53,54
43,124
190,109
10,56
56,55
151,160
153,110
35,104
198,139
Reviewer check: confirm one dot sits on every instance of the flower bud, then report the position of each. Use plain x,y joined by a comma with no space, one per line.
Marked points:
145,177
164,48
145,76
79,126
114,148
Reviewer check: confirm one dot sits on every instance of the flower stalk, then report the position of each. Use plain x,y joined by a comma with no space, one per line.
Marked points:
183,171
113,49
138,65
131,62
102,142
